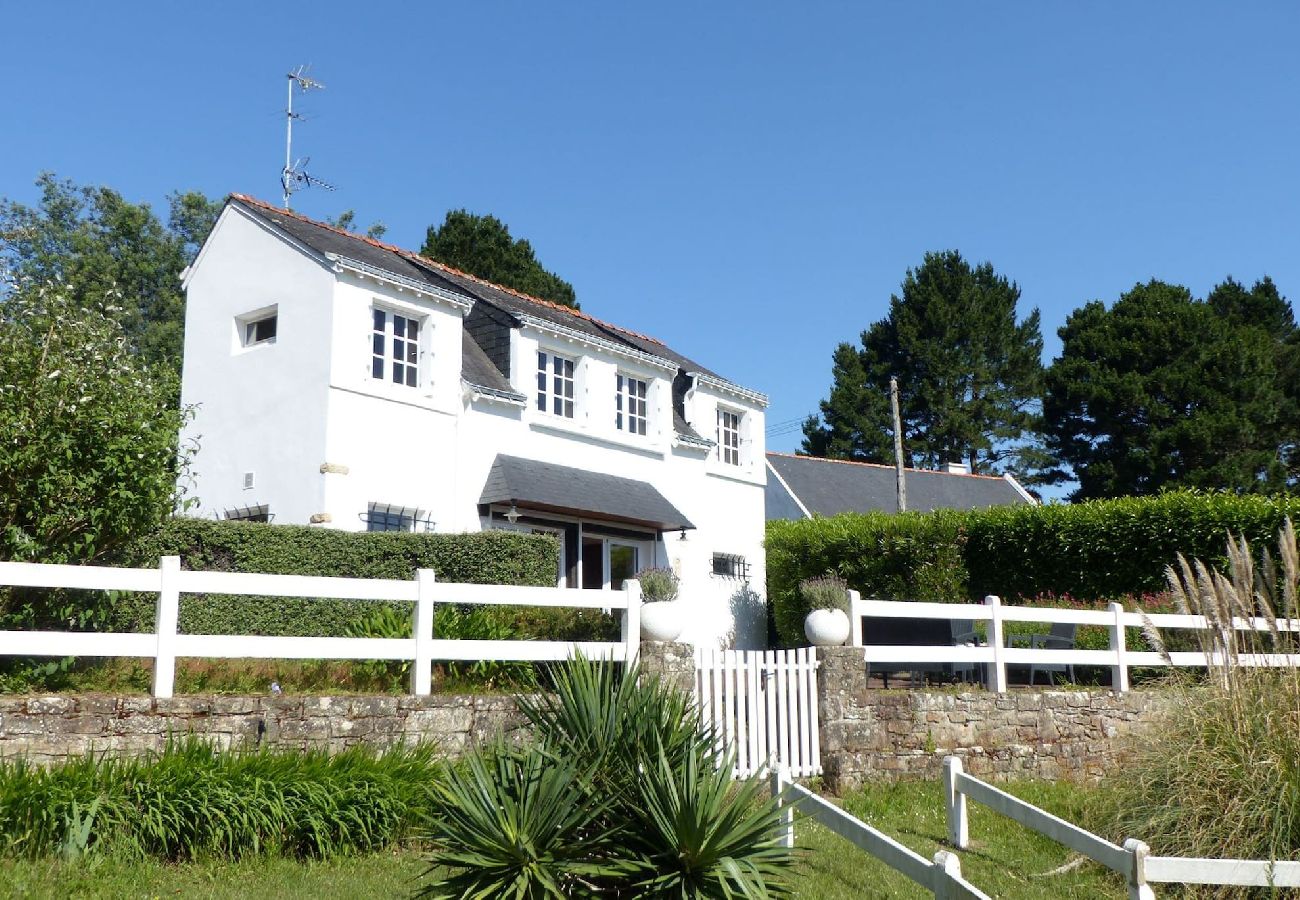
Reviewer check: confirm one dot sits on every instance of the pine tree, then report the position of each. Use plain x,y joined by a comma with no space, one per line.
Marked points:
482,246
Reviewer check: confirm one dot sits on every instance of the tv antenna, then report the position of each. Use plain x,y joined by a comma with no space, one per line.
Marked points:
295,176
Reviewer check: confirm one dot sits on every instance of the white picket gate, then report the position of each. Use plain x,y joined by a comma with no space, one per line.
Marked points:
764,704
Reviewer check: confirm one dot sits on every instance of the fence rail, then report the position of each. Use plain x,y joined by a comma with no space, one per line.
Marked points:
1132,860
170,582
941,876
764,705
996,657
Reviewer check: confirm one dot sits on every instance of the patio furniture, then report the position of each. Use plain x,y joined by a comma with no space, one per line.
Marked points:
891,632
1061,637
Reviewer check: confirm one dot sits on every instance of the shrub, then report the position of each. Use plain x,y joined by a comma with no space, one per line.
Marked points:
624,795
658,584
488,557
827,592
1218,777
191,801
1096,551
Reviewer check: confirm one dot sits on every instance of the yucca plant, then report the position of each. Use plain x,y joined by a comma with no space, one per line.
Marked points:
520,824
649,806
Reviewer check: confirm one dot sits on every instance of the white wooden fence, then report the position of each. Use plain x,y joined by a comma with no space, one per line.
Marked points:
941,876
764,704
1132,860
996,656
169,582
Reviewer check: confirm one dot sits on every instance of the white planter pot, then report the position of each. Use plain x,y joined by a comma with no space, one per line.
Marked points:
826,627
664,620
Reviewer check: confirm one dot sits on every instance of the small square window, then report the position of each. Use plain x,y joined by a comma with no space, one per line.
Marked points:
730,565
258,327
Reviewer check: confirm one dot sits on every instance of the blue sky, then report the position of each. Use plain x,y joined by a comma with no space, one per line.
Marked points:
747,182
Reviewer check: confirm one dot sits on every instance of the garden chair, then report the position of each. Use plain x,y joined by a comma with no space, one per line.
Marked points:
1061,637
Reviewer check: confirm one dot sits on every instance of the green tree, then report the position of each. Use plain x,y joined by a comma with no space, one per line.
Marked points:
482,246
97,245
88,433
1163,390
969,375
347,221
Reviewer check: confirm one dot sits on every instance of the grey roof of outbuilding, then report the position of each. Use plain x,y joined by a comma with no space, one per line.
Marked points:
325,238
532,484
826,487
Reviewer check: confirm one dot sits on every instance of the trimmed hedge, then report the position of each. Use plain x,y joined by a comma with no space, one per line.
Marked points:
1095,551
488,557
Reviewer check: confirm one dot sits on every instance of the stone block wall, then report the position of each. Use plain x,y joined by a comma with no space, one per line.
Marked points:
874,735
49,729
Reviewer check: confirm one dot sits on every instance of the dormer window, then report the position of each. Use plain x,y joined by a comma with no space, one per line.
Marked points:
630,406
554,384
729,437
395,348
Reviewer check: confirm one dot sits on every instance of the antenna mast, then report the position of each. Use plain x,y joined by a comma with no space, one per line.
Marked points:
294,177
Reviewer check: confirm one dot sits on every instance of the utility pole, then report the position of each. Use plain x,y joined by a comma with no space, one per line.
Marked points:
898,444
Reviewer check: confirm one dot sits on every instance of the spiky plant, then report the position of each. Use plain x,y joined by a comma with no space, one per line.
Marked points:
1220,774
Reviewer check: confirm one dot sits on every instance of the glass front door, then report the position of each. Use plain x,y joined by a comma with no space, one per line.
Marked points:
622,564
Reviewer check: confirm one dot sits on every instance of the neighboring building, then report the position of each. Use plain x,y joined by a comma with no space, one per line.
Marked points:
351,384
800,487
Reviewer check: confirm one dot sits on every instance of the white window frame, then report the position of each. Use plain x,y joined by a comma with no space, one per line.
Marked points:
631,404
246,327
391,352
555,389
729,437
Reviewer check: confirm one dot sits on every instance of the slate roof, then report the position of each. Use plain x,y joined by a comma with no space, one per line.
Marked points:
325,238
531,484
478,371
828,486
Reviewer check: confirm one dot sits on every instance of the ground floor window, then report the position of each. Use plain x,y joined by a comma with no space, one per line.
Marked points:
259,513
388,517
593,555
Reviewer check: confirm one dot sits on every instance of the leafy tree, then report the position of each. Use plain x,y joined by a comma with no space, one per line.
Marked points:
347,222
97,244
1162,389
969,377
88,434
482,246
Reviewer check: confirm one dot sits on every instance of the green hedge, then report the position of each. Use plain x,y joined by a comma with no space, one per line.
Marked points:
1089,551
488,557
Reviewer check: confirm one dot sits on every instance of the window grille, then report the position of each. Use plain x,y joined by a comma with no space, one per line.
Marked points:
730,565
259,513
388,517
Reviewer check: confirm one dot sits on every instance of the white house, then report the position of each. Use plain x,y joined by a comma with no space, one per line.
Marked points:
346,383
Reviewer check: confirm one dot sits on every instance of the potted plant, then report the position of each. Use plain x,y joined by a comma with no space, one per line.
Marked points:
662,618
827,602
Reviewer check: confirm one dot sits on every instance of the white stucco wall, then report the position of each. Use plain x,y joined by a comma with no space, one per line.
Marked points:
286,410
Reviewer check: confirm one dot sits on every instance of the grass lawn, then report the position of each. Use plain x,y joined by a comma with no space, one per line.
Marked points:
1004,861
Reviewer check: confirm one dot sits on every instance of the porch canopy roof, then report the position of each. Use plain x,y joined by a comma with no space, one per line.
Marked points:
529,484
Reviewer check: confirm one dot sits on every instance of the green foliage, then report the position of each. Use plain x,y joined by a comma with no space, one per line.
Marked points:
1094,551
623,796
911,556
192,801
88,436
658,584
482,246
1162,389
969,376
489,557
99,246
826,592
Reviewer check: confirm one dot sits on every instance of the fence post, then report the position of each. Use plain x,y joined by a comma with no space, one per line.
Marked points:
632,622
422,659
947,868
779,778
1118,646
997,680
166,614
855,619
1138,889
955,801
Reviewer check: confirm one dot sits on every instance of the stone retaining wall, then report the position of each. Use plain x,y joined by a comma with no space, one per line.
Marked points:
47,729
875,735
